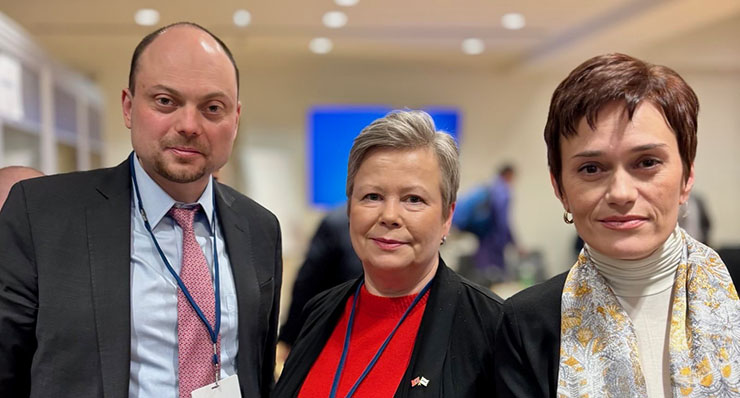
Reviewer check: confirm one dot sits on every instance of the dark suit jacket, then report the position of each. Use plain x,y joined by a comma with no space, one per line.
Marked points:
453,349
330,261
65,316
528,340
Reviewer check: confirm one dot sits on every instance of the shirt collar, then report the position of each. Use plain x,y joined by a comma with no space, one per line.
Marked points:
157,202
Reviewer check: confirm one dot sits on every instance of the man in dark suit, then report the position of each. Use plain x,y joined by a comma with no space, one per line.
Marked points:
93,276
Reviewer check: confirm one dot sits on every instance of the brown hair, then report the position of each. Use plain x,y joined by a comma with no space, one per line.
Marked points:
619,77
148,39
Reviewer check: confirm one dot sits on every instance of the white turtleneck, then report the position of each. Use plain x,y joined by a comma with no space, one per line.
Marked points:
643,288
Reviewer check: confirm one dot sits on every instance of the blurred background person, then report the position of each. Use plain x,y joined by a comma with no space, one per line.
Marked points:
409,323
647,310
486,213
10,175
329,262
489,258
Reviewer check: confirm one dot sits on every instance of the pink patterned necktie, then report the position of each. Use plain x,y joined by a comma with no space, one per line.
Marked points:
195,348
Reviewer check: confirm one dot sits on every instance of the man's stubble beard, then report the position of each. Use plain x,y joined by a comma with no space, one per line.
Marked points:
166,169
163,169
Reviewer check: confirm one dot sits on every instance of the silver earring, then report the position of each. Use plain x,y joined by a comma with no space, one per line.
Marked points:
566,219
444,239
683,210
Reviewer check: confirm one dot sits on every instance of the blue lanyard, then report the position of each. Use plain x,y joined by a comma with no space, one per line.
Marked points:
212,331
348,335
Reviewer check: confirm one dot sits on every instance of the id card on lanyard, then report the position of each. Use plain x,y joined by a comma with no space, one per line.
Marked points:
226,388
213,330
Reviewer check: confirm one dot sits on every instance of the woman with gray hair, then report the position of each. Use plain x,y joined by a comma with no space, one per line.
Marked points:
409,326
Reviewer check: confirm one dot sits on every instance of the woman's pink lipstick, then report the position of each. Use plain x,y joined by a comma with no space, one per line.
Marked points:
387,244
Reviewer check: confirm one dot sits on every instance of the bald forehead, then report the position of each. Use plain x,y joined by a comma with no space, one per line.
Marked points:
179,40
185,36
14,174
182,40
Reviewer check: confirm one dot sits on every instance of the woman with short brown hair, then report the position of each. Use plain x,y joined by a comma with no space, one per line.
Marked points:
646,310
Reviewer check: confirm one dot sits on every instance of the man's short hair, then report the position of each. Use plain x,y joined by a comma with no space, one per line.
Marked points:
409,130
148,39
506,168
618,77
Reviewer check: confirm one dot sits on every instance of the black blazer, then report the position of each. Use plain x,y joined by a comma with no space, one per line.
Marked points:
453,349
65,265
528,340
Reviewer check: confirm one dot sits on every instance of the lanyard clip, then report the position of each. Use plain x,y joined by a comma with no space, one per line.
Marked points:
216,368
143,214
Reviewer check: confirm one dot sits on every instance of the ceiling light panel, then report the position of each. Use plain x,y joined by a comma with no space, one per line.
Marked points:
242,18
146,17
334,19
473,46
346,3
513,21
320,45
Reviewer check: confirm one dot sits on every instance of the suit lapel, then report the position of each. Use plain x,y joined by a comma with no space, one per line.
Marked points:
430,349
238,239
109,244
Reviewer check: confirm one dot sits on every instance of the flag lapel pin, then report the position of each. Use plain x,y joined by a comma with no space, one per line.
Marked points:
419,381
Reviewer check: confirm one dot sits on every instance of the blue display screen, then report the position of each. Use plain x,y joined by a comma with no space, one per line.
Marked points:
331,130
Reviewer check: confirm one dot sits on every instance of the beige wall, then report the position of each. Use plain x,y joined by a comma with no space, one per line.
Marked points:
718,157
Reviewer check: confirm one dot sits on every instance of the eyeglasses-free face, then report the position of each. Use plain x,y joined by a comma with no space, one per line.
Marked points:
623,181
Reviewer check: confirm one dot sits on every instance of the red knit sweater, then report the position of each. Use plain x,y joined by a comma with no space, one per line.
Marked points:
375,317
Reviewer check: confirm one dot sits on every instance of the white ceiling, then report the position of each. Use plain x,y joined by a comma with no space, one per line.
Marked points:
697,33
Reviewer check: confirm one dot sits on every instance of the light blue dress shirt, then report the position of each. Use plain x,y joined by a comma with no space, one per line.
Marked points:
154,367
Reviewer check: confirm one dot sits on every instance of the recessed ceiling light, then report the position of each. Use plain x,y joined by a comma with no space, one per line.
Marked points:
473,46
513,21
320,45
146,17
346,3
242,18
334,19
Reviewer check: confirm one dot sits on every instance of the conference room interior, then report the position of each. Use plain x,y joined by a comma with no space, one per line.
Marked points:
492,65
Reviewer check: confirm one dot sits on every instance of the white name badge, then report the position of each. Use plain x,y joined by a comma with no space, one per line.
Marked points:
226,388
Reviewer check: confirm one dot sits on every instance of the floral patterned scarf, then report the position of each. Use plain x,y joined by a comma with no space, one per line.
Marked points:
598,345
